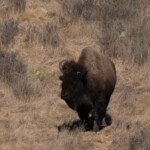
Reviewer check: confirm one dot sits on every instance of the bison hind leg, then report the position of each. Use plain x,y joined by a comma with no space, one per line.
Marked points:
108,120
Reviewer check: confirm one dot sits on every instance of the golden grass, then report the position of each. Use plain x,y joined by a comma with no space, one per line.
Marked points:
32,124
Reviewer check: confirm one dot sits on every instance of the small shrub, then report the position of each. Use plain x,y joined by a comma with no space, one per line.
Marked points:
18,5
45,1
114,18
47,37
23,88
13,73
128,18
8,30
33,36
69,141
10,67
50,35
138,141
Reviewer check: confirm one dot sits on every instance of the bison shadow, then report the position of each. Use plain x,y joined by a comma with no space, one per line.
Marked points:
71,126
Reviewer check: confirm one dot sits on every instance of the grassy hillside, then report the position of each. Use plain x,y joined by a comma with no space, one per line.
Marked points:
36,36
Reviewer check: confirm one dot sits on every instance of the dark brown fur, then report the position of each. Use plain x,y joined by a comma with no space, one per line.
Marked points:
87,85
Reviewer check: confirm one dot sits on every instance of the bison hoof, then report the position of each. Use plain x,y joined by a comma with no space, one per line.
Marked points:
95,128
96,133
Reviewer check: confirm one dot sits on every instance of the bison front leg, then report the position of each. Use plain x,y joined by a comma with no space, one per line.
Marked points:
98,115
83,117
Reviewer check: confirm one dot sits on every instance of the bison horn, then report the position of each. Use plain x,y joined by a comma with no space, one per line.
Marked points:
61,65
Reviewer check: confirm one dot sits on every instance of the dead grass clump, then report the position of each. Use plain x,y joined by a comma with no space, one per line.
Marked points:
33,36
23,88
17,5
66,140
124,25
140,140
122,122
87,10
10,67
127,97
47,37
91,10
72,10
50,35
94,10
8,31
125,29
45,1
128,41
13,73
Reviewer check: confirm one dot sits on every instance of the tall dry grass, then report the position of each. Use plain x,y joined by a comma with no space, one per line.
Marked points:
140,140
13,72
8,31
17,5
45,32
124,26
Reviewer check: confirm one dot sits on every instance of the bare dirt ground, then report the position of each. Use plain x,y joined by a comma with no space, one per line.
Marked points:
46,36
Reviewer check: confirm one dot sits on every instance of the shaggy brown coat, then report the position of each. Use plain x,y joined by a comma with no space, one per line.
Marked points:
87,85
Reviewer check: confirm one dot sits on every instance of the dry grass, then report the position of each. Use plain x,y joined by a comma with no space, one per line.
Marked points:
66,141
123,27
17,5
125,31
138,141
8,31
50,31
10,67
13,73
47,37
33,36
50,35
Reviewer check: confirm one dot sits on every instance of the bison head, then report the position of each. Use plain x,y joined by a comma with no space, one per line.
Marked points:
73,82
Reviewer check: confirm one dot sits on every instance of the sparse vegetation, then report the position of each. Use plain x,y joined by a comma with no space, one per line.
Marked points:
115,18
10,67
8,31
133,47
50,35
33,36
36,33
13,73
17,5
66,141
140,140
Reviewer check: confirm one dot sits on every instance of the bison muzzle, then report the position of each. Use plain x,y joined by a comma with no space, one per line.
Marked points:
87,85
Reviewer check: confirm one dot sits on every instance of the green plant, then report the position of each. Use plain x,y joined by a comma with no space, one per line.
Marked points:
122,35
39,74
98,34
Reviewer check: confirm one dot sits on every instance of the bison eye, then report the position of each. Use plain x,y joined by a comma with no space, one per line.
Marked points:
79,74
60,78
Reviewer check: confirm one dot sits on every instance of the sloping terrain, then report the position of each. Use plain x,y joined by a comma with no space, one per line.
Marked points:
36,36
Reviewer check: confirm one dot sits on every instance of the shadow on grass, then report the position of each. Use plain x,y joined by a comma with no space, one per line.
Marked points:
71,126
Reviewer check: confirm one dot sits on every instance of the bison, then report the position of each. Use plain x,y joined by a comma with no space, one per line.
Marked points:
87,84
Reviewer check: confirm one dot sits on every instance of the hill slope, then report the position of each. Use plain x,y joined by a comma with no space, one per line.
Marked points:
35,36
